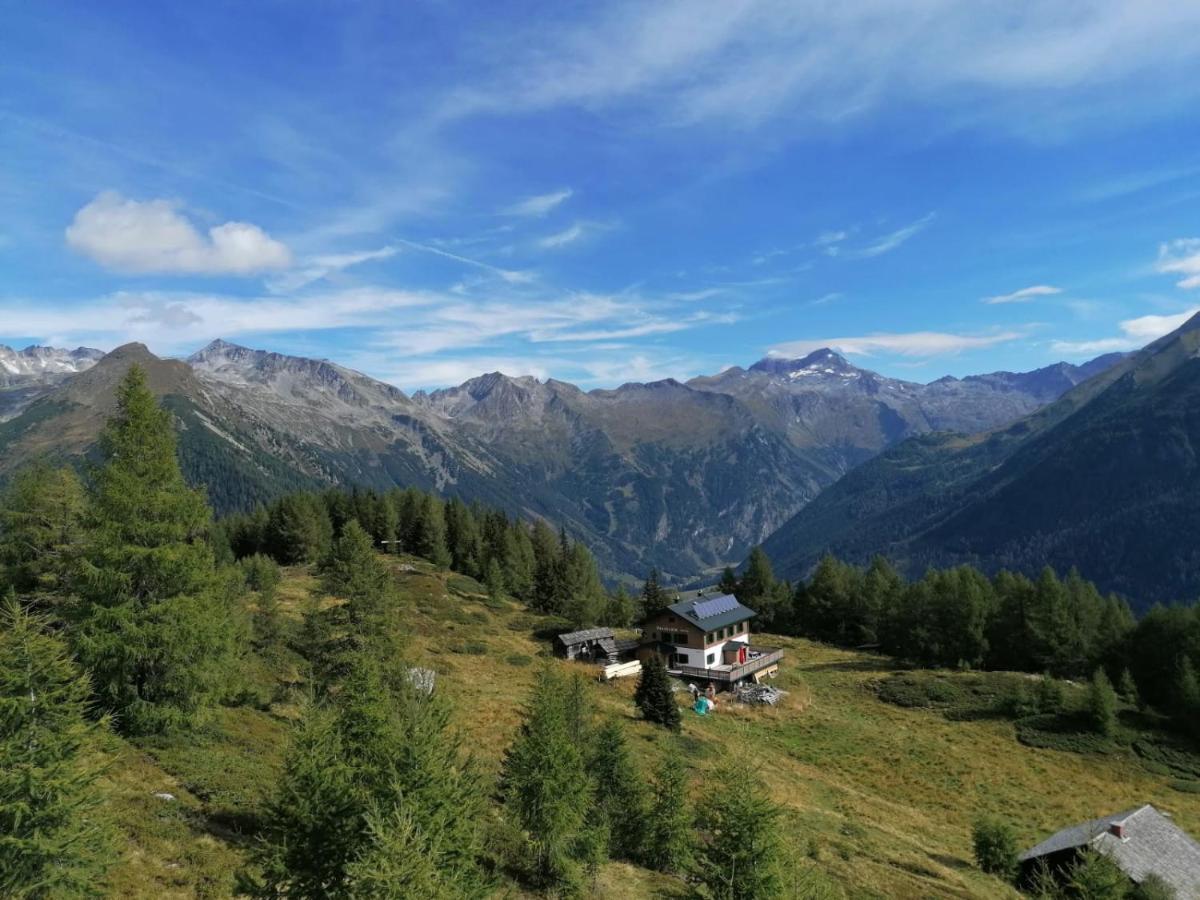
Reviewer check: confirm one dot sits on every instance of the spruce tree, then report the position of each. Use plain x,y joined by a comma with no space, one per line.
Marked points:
155,624
668,846
54,840
1102,704
374,768
620,797
654,696
654,598
737,851
298,529
41,514
546,788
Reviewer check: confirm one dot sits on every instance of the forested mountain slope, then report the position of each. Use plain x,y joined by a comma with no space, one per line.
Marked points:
1104,479
682,477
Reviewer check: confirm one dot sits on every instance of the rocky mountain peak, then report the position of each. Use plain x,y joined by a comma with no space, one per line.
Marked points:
822,362
38,360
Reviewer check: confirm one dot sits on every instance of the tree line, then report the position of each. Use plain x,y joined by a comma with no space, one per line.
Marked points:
960,618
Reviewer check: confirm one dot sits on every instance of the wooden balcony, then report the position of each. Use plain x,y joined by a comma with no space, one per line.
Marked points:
760,658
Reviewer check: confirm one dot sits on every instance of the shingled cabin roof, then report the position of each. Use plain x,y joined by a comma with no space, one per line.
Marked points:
588,634
1142,841
711,613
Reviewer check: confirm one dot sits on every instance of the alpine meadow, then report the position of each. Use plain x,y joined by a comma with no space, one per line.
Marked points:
738,450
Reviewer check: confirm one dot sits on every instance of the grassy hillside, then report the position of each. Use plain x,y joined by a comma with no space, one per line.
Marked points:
880,798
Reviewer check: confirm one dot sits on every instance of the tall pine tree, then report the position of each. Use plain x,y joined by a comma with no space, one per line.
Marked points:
546,788
54,840
654,697
737,853
155,624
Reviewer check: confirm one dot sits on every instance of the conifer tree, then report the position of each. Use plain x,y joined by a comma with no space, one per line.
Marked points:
654,598
1102,704
546,788
620,798
654,696
298,529
494,580
583,598
373,769
619,611
41,514
54,840
728,583
1186,700
737,852
668,845
1127,688
547,593
155,624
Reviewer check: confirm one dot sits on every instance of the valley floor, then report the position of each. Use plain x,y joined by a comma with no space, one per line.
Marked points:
880,798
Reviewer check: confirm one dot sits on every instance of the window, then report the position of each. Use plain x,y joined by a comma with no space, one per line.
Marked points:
710,637
712,658
679,659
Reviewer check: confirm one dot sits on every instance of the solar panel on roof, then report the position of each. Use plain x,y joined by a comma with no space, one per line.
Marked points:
714,607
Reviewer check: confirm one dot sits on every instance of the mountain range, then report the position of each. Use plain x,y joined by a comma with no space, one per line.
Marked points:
1105,479
685,477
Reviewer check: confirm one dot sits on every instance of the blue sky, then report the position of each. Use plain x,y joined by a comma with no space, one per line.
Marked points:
601,192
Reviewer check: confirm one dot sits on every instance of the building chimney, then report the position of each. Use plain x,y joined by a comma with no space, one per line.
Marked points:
1117,830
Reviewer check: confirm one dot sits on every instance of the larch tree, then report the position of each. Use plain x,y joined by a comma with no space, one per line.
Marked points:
546,789
738,851
669,827
620,796
54,838
41,514
155,623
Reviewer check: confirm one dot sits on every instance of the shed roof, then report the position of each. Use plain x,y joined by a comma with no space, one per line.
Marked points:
588,634
1152,845
711,613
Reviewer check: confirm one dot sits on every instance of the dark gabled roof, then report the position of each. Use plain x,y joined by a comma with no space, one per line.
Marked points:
1152,845
711,613
588,634
624,645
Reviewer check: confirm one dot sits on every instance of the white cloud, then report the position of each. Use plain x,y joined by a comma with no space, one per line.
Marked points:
1181,257
540,204
892,240
916,343
1024,295
153,236
1135,333
568,235
745,61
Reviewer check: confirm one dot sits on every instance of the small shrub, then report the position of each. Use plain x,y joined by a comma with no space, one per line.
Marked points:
1102,704
995,848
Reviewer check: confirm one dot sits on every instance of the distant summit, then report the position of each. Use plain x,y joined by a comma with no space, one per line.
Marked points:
819,362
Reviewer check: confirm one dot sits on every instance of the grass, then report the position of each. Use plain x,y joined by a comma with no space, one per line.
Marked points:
879,797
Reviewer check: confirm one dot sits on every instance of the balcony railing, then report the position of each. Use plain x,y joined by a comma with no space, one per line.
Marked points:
766,657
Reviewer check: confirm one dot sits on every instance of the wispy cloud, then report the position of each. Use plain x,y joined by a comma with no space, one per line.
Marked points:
915,343
154,236
890,241
1024,295
568,235
1181,257
540,204
319,267
511,276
